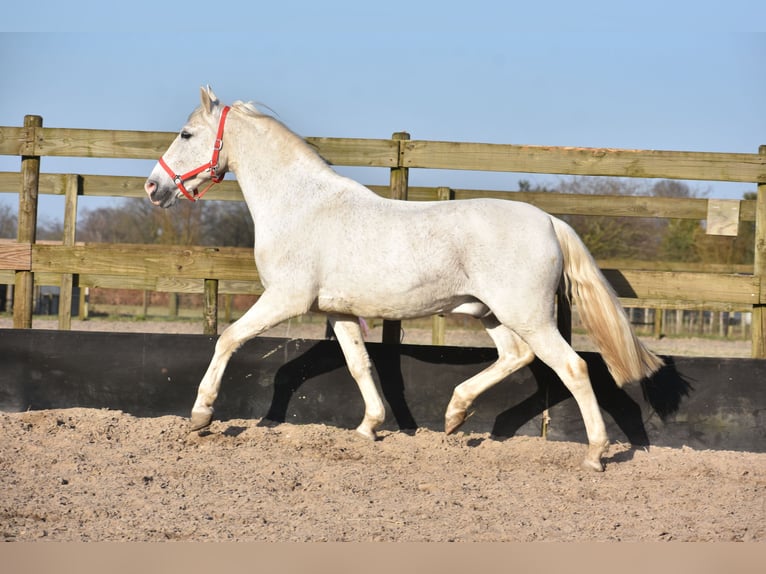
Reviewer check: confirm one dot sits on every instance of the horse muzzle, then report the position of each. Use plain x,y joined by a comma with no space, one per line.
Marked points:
159,196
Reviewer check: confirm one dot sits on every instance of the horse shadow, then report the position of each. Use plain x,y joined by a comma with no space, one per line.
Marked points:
325,357
662,394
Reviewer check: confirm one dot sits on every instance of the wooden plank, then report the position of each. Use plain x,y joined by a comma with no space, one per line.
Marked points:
686,305
103,143
584,204
554,203
15,256
706,166
357,152
10,182
178,285
117,282
109,186
13,140
677,286
225,287
159,284
416,153
48,183
133,186
151,145
146,260
235,287
50,279
674,266
608,205
236,263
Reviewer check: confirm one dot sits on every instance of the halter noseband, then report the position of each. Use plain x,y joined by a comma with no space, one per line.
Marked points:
211,166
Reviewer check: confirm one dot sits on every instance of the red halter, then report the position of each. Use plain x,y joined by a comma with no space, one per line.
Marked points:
211,166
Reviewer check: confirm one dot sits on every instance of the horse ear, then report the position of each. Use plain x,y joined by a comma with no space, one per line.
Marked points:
209,99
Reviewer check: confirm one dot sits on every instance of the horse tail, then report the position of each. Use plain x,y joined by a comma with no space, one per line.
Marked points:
601,312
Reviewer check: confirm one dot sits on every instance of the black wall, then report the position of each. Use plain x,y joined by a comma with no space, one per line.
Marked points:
699,402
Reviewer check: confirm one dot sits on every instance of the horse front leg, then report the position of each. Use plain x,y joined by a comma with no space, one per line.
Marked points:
349,335
268,311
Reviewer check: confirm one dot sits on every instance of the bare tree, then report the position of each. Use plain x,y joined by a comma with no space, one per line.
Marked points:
613,237
227,223
8,222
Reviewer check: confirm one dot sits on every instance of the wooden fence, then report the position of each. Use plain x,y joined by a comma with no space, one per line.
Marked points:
231,270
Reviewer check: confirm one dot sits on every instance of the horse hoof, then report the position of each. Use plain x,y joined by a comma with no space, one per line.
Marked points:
594,465
200,419
453,422
367,433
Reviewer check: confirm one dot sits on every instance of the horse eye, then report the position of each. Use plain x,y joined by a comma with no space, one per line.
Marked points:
185,135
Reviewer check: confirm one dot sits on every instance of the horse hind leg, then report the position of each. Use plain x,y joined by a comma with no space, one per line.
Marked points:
513,354
551,348
349,335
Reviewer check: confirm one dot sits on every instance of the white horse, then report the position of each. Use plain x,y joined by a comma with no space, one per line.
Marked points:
324,242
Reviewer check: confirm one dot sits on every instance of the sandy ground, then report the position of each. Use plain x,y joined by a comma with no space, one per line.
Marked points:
101,475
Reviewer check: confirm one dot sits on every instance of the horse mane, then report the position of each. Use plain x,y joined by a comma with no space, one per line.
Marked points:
249,109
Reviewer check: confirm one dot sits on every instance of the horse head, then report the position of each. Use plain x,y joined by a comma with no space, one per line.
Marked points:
187,164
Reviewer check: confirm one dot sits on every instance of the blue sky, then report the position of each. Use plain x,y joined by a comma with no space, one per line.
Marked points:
603,74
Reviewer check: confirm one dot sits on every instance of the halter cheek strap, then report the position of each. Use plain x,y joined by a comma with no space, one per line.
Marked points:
211,166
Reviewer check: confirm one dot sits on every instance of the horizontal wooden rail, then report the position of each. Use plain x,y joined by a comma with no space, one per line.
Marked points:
170,268
182,270
555,203
144,283
708,166
587,204
743,167
674,286
15,256
83,142
146,260
66,142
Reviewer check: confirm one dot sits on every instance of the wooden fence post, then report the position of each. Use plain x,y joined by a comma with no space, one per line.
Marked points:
659,322
23,291
173,305
399,176
73,184
210,325
758,349
439,325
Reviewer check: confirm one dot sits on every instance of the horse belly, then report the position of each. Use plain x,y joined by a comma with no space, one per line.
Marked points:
394,306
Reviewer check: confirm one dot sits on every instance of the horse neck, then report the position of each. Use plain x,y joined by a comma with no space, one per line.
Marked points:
275,168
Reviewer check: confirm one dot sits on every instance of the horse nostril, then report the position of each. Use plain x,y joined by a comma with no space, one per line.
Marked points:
150,186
